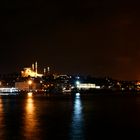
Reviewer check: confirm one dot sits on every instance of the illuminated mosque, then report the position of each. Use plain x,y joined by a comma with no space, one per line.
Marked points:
32,72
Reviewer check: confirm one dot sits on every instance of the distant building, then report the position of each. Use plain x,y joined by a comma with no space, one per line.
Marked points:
26,86
29,72
86,86
32,72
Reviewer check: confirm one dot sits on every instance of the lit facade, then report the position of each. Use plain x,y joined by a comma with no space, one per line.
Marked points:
29,72
26,86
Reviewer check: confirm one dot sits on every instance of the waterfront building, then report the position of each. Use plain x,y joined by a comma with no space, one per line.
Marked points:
27,85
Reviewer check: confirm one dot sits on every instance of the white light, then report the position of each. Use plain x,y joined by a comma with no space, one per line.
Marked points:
77,94
72,87
98,87
77,82
86,86
4,90
78,77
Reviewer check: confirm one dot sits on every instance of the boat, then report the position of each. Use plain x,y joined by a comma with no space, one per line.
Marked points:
9,91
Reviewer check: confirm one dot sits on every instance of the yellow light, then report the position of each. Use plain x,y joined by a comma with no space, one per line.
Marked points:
29,82
86,86
29,72
30,94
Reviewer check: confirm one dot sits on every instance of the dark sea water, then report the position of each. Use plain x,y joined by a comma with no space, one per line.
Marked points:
77,118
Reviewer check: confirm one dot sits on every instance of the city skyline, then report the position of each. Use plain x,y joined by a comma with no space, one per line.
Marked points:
95,38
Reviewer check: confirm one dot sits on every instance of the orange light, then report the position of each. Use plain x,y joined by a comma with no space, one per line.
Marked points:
30,94
29,82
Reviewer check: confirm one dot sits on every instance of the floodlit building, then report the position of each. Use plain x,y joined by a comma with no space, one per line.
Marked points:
32,72
86,86
27,86
29,72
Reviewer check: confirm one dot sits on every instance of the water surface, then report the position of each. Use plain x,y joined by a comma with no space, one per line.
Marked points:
41,118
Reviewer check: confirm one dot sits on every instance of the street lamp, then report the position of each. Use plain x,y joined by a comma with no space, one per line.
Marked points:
30,83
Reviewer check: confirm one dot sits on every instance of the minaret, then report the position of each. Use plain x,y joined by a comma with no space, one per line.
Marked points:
33,67
36,68
44,71
48,70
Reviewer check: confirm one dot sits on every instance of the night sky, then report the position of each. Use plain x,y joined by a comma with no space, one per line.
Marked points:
100,38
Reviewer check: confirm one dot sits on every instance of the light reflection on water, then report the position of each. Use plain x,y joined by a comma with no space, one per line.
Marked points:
30,128
77,124
1,118
71,119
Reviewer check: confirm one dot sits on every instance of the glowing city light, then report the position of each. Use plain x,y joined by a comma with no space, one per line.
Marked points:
30,94
77,94
29,82
86,86
77,82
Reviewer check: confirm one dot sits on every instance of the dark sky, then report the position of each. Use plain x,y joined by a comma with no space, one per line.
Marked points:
100,38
